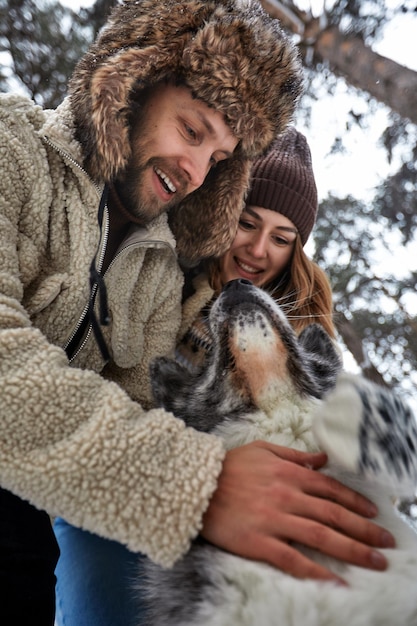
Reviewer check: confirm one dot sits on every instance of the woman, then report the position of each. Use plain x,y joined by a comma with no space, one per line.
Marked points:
276,222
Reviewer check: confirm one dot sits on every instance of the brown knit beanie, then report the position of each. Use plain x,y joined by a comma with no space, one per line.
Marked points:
282,180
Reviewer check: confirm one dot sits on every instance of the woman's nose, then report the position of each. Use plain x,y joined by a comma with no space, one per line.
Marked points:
257,245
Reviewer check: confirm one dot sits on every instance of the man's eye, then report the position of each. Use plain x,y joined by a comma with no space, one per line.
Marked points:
190,132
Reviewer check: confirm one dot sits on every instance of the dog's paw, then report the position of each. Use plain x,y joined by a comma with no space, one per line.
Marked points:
369,430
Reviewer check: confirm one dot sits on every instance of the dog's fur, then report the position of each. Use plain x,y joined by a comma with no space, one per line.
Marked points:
262,382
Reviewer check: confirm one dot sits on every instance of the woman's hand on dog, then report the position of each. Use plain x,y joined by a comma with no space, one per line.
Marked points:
269,496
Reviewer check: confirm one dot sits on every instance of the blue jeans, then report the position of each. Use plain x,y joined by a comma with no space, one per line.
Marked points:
95,580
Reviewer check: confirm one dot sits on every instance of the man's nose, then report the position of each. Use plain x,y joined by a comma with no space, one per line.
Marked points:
196,166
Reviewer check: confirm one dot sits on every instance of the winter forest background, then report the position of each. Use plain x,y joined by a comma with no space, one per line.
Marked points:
359,113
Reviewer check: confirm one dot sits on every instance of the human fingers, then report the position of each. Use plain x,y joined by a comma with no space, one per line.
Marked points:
259,482
319,484
313,495
341,518
308,496
331,542
272,544
258,493
313,460
261,543
288,558
317,524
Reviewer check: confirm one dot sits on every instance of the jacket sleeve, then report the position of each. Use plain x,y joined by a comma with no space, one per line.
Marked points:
72,442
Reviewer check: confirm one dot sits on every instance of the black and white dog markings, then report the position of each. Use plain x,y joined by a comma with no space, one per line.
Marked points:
261,381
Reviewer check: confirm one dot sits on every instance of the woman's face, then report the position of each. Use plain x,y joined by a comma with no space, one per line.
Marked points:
261,249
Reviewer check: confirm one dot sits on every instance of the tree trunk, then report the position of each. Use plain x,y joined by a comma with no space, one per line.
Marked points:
384,79
355,346
347,56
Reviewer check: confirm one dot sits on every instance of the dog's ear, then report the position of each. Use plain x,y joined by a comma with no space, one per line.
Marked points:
369,430
171,384
321,356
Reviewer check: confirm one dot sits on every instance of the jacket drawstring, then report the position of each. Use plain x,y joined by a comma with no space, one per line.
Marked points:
98,286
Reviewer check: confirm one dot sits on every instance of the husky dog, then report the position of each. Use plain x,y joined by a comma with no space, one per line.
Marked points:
263,382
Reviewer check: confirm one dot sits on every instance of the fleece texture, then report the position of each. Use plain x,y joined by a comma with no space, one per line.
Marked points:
72,441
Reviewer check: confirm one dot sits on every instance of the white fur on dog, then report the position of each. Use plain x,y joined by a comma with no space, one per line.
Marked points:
254,594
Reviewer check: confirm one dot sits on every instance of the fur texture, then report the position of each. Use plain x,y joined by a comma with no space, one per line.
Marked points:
264,382
231,54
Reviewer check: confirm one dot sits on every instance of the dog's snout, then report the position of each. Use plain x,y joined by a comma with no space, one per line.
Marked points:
235,291
235,284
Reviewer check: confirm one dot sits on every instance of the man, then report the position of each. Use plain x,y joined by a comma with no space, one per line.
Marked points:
164,115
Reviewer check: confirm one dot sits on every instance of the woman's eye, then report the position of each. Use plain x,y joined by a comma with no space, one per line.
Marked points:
245,225
280,241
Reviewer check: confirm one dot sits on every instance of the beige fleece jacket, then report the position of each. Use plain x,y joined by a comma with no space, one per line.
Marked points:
81,440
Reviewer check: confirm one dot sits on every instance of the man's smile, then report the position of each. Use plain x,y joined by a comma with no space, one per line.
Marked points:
166,182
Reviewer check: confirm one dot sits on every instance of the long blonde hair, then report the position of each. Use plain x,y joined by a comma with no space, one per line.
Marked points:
302,290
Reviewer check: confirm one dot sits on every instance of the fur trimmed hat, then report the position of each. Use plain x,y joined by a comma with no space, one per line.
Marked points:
231,54
283,181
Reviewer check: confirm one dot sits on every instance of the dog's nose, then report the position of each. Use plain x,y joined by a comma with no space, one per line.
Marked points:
234,292
236,283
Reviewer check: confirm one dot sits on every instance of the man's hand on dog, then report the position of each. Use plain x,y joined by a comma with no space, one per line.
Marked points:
270,496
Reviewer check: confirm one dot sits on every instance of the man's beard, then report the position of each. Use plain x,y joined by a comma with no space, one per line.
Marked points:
141,202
